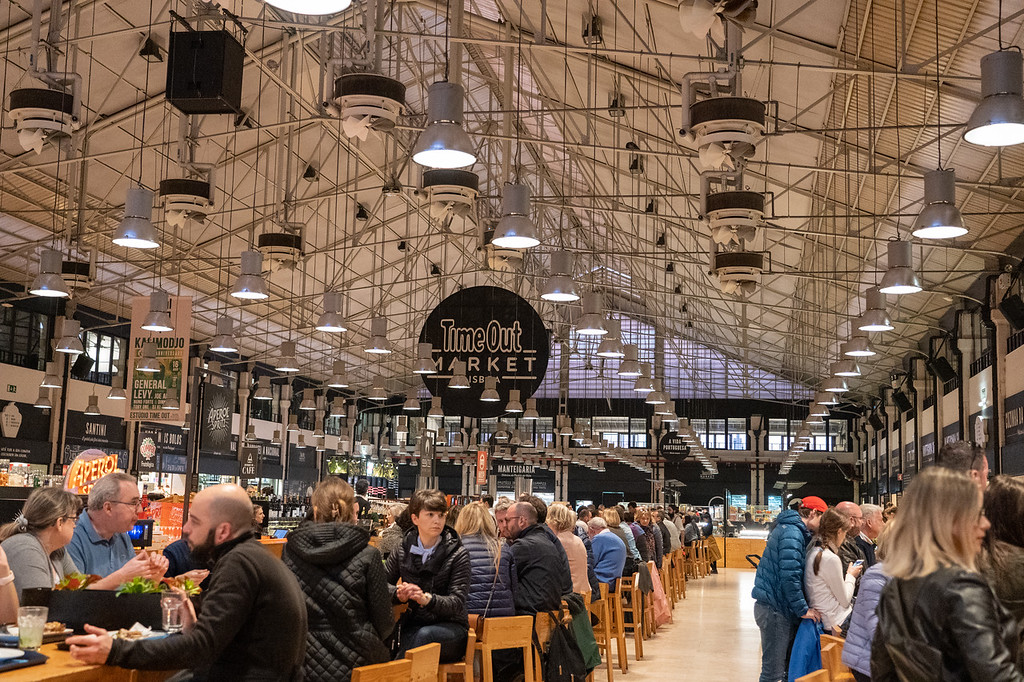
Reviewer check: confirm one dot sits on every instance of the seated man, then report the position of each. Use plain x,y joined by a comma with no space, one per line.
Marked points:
542,570
609,552
252,625
100,544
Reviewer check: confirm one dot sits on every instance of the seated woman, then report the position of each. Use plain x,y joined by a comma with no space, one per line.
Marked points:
561,520
827,589
434,568
936,602
398,522
491,576
35,540
622,531
342,577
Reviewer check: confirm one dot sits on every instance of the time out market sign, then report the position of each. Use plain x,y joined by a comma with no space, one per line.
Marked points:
496,333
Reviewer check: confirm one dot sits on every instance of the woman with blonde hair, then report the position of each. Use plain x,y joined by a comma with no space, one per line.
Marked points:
491,575
561,520
621,530
827,589
938,619
343,580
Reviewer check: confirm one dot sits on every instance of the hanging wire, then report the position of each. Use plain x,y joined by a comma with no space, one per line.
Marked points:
938,89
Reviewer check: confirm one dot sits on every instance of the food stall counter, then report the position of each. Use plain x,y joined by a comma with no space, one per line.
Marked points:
61,666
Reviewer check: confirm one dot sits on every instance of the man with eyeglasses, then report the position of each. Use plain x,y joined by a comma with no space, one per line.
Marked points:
967,458
850,551
100,544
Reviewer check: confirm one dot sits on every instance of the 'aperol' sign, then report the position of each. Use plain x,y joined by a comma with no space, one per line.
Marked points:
87,468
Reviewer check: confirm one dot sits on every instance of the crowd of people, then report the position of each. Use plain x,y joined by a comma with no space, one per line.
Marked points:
931,590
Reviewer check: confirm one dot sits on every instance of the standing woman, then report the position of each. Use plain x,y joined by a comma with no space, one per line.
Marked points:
652,536
938,619
1002,561
35,540
828,590
342,578
490,579
435,570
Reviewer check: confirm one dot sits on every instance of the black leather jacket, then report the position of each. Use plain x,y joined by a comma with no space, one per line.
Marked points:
952,623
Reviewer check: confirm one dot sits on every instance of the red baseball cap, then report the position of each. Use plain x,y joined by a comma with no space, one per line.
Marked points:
815,503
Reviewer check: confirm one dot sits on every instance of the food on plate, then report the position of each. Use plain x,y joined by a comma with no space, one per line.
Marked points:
54,627
130,634
76,581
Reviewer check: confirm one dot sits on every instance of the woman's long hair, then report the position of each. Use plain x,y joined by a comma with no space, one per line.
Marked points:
1004,506
43,508
475,519
832,523
333,501
935,526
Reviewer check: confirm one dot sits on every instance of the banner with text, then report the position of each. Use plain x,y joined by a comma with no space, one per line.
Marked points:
149,390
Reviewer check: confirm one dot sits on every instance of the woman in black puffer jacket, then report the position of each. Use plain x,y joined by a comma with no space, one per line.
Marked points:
434,568
491,577
343,580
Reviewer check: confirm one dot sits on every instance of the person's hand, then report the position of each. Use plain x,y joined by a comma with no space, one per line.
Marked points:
91,648
403,592
188,609
197,575
855,569
138,566
813,614
158,565
422,598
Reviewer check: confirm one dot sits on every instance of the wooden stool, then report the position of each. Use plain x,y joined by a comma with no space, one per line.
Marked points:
465,666
424,662
603,630
832,658
679,572
395,671
542,627
666,579
649,622
512,632
816,676
636,610
705,562
690,562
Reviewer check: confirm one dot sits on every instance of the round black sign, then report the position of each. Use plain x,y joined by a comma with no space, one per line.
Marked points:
496,333
673,445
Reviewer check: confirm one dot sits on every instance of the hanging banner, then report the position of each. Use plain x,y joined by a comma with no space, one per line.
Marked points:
215,424
481,467
497,334
161,447
248,469
147,391
87,468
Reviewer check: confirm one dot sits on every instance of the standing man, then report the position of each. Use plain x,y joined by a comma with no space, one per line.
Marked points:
850,551
500,515
779,601
871,525
100,544
966,458
253,621
362,504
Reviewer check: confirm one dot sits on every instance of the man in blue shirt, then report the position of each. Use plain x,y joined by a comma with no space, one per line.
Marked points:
100,544
609,551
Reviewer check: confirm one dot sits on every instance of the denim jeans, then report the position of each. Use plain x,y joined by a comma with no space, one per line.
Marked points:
451,637
777,633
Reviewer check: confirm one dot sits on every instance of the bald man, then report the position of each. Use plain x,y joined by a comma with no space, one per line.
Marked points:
850,551
252,624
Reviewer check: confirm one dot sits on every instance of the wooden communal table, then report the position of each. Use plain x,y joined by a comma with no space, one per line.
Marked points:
61,666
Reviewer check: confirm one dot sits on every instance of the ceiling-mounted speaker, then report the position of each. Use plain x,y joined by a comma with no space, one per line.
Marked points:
1012,308
204,72
877,423
941,368
80,370
902,402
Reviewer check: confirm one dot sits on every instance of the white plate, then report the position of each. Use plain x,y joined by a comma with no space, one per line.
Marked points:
10,653
13,630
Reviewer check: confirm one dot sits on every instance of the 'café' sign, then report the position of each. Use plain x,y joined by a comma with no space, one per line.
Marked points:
496,334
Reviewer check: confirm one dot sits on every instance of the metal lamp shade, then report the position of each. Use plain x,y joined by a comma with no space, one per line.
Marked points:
158,319
900,278
224,341
998,120
443,143
378,343
48,283
136,230
940,218
515,230
250,285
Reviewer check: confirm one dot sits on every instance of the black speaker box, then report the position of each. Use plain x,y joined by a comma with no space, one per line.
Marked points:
941,368
902,402
204,72
877,423
1012,307
80,370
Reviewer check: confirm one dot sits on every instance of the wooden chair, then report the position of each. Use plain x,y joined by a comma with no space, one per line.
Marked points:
705,558
650,624
397,610
395,671
465,666
666,579
512,632
601,609
832,658
816,676
690,563
425,660
679,572
627,586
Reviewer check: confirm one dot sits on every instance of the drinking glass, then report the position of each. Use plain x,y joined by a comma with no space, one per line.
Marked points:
172,607
31,621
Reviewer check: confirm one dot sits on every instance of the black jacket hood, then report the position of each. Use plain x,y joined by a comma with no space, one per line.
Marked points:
325,544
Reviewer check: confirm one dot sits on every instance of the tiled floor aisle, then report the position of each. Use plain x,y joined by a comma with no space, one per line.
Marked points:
713,636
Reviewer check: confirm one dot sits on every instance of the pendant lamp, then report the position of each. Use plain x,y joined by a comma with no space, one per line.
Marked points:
490,394
998,120
250,285
224,341
93,408
834,385
68,341
611,342
331,320
412,401
592,323
48,283
514,405
630,365
136,230
147,362
531,410
424,359
845,367
443,143
435,408
50,378
459,379
940,218
874,318
312,7
858,346
116,393
158,320
560,288
308,400
900,278
339,376
378,391
515,230
286,360
263,390
644,383
378,343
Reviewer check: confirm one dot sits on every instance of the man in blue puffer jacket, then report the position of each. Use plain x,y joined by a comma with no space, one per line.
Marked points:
779,586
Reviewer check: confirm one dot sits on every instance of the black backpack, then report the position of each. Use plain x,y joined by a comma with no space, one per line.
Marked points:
563,661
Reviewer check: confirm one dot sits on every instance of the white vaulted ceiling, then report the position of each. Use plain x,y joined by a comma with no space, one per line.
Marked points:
853,85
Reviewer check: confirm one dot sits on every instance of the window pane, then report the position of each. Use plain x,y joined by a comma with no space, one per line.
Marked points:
778,434
737,433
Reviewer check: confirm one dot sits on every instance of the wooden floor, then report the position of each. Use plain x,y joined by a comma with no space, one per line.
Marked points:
713,636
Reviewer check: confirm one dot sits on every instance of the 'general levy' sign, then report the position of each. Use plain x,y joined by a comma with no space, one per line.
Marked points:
149,390
497,334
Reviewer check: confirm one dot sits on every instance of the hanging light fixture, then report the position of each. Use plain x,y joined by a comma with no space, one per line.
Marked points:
378,391
817,410
435,408
286,360
68,342
308,400
630,365
825,398
136,230
874,318
158,319
655,396
490,394
48,283
378,343
276,440
250,285
513,405
459,379
858,346
900,278
845,367
412,401
611,343
170,401
566,428
531,410
50,378
592,323
644,383
224,341
940,218
313,7
263,390
293,424
93,408
116,393
834,385
424,359
443,143
338,408
666,408
331,320
515,230
43,400
998,120
250,433
560,288
147,362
